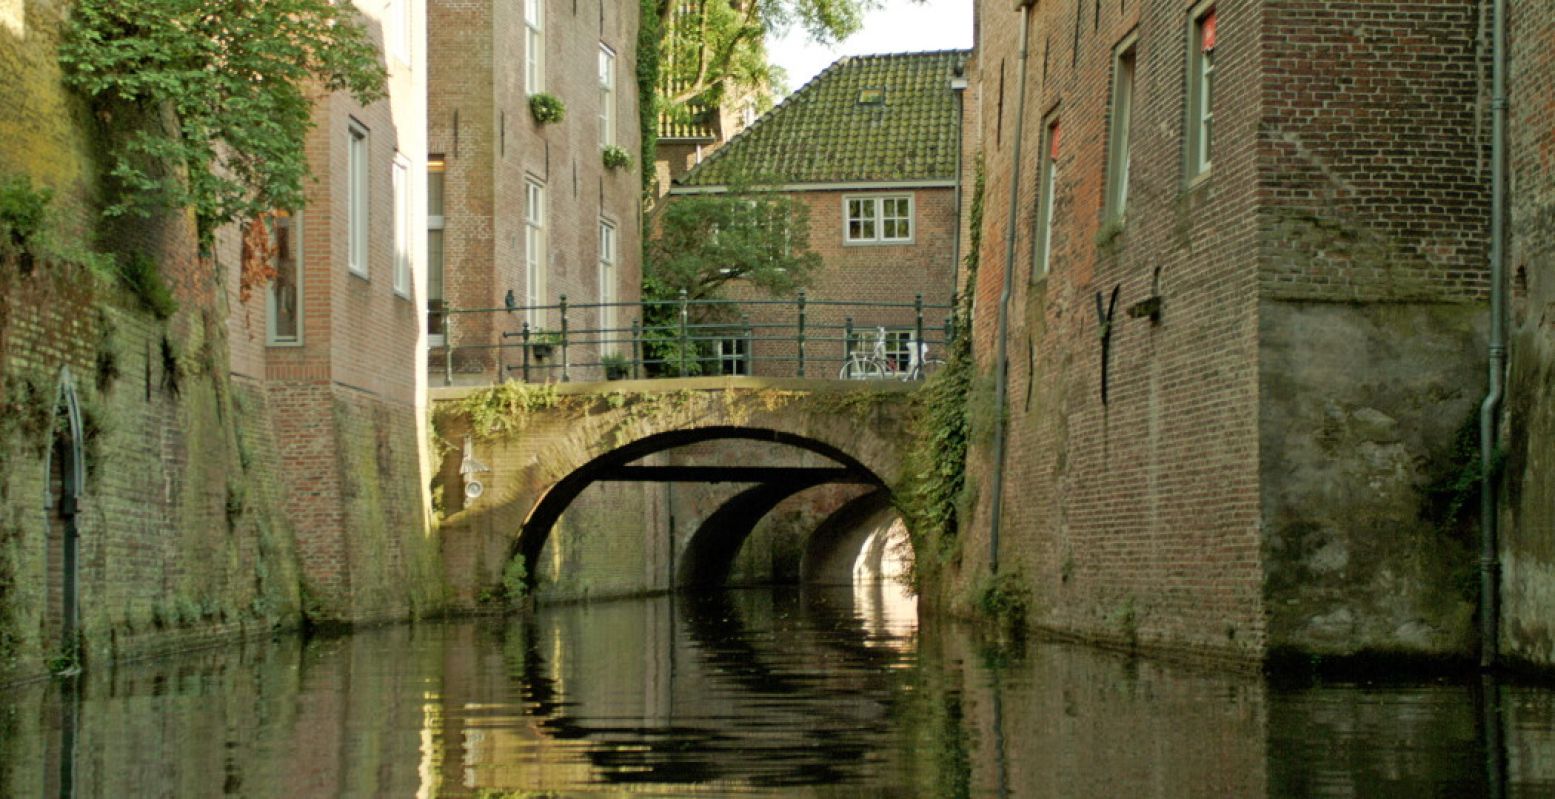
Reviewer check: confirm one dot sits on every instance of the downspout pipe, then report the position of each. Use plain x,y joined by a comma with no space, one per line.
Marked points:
1489,561
1001,358
958,85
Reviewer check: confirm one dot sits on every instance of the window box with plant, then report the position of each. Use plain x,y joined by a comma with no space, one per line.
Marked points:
542,342
547,108
616,157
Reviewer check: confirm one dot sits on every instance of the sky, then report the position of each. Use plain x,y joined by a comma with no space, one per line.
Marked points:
902,26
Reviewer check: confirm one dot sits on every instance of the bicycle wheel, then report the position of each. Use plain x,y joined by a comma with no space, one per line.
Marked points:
861,369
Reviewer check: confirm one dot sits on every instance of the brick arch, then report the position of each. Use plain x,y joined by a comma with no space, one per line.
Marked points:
537,526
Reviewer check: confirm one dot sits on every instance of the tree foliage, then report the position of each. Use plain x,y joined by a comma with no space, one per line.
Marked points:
211,99
706,241
713,48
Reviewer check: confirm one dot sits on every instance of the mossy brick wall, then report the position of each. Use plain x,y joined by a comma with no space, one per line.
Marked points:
1374,202
1528,501
180,539
1134,520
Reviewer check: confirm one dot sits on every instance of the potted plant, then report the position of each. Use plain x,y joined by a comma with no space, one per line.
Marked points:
616,157
616,367
546,108
542,342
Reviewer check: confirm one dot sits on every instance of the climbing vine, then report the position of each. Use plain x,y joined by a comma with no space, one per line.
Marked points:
212,99
647,93
934,482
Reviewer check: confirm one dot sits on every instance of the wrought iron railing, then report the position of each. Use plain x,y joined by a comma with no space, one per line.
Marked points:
797,337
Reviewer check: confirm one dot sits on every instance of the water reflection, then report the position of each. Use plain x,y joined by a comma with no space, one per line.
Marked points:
760,693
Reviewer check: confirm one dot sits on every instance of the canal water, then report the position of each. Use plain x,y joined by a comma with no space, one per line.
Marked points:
749,693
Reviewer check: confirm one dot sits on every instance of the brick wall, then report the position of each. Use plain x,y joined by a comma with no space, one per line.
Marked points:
1170,513
1528,556
1135,520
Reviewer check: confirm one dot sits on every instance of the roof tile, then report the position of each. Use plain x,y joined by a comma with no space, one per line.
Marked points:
823,134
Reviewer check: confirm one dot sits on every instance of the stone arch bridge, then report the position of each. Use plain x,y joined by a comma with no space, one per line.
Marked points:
577,481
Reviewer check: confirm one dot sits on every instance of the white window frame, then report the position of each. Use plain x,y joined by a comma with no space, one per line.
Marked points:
607,96
401,174
436,223
1198,144
293,225
534,46
358,198
875,205
535,262
733,350
608,247
396,29
1125,63
1047,195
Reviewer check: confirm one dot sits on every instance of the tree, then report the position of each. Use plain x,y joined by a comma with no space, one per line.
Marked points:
709,241
712,46
706,241
212,99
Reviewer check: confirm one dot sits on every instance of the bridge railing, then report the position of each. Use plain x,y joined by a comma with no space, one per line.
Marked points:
797,337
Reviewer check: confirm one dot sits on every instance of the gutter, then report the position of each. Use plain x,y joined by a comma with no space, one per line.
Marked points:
1001,359
1489,562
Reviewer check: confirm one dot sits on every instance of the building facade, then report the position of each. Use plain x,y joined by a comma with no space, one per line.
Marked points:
527,210
336,341
870,149
1246,318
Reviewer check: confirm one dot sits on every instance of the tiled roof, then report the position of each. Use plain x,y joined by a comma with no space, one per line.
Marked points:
836,128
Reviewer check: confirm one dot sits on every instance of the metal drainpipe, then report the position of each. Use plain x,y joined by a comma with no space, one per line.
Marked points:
1489,615
958,85
1001,366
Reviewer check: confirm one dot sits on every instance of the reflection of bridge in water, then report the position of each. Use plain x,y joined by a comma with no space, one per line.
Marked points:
577,481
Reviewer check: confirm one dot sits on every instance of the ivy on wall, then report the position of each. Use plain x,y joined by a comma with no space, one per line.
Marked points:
210,100
934,485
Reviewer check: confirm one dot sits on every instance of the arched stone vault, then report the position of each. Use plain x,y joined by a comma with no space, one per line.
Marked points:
552,453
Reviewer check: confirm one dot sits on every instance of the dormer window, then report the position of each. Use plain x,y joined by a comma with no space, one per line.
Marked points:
874,95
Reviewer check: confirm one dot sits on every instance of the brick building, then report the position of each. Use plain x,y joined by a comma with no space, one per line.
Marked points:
336,341
870,146
1246,319
523,206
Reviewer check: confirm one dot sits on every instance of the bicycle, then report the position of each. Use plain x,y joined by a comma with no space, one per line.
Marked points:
877,365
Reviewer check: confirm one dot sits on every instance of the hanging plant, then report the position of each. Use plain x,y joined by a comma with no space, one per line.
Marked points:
617,158
547,108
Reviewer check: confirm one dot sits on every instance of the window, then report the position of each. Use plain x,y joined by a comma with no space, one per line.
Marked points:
401,173
283,300
733,356
878,219
534,46
607,97
356,213
1048,182
534,251
1118,149
435,304
396,29
1201,91
607,285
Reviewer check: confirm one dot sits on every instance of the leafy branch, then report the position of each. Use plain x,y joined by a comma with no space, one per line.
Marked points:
214,97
